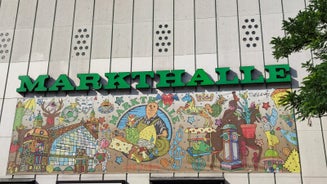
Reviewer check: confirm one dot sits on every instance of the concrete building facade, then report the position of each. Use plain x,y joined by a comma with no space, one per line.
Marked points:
55,37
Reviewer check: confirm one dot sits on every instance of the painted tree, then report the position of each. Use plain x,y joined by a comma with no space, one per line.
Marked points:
307,31
292,163
19,115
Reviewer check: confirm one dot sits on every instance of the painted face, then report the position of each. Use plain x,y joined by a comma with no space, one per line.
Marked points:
264,119
151,109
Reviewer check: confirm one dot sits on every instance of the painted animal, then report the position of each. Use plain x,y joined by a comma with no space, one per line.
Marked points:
190,109
51,111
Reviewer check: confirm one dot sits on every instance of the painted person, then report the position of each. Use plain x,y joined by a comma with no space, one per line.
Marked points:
270,133
151,118
153,134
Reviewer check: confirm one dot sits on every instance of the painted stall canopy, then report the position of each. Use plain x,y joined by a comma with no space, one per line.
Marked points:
175,132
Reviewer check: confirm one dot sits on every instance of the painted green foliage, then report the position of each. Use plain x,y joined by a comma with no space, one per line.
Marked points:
19,115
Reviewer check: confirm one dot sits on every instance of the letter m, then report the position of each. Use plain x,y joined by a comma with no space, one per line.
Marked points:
27,85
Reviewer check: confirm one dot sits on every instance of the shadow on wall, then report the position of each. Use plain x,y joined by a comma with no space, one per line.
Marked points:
295,83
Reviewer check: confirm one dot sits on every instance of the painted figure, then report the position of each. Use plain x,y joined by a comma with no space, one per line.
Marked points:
152,120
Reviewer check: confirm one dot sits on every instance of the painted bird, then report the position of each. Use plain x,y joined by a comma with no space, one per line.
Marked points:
290,136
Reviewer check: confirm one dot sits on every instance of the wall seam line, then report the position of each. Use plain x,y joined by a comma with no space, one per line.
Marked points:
32,39
152,55
112,34
71,39
239,41
217,39
291,85
91,35
9,63
262,44
51,38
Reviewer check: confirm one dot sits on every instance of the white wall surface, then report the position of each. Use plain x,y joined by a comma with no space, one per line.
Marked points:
44,37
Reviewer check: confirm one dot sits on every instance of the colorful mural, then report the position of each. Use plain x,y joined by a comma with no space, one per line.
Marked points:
243,131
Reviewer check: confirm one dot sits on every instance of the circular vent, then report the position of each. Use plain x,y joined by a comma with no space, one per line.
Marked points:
163,34
250,31
4,45
81,42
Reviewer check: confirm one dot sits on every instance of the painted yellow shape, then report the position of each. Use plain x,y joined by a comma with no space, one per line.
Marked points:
148,133
272,139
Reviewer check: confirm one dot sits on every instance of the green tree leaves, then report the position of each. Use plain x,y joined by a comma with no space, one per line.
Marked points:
307,31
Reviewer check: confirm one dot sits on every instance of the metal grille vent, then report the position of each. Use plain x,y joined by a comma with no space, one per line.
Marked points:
81,42
250,30
5,42
163,38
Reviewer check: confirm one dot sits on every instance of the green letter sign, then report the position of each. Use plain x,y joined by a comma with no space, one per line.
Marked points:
63,82
166,78
278,73
174,77
38,85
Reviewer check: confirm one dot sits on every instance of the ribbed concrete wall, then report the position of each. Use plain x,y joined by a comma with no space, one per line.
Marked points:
78,36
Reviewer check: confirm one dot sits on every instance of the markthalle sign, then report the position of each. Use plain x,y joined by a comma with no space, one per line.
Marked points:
166,78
